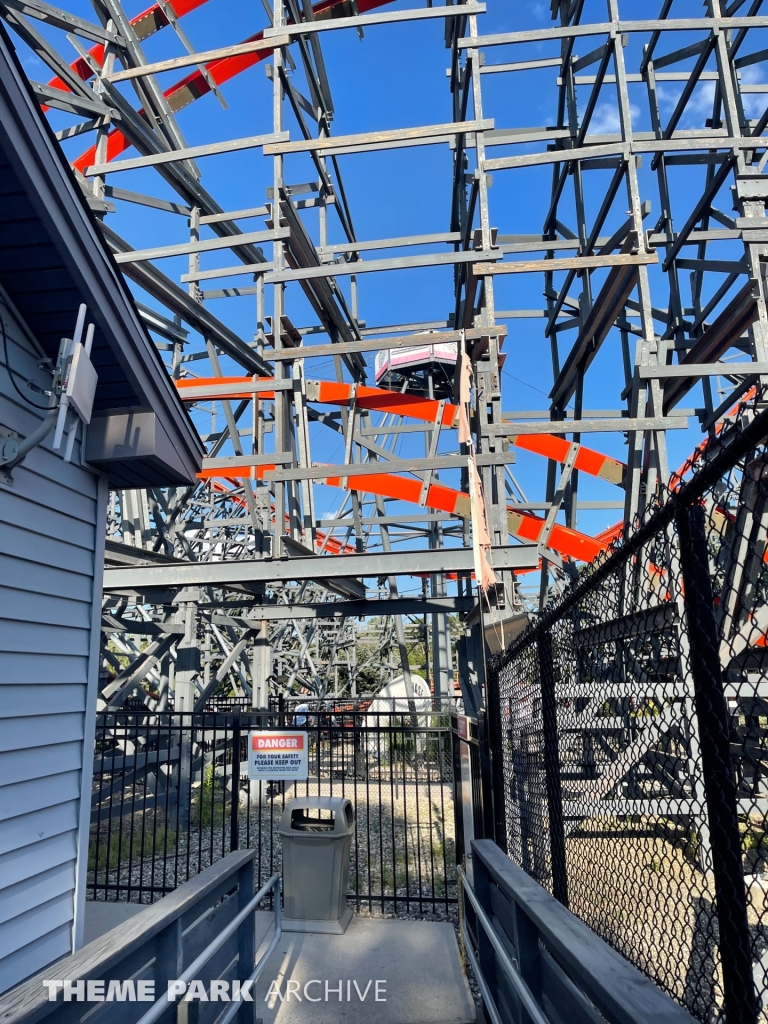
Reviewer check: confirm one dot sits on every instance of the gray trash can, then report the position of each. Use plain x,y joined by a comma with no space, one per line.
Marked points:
316,864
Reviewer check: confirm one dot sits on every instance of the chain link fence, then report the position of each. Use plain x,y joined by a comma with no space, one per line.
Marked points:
633,735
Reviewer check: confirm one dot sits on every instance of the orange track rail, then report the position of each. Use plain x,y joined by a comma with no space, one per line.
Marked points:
335,547
528,527
425,409
443,499
587,460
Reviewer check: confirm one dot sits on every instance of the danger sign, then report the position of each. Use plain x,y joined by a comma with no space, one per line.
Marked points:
277,755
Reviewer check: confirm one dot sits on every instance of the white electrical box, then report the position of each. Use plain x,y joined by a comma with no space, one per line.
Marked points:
81,383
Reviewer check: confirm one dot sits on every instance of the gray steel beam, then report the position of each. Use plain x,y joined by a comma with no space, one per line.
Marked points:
377,344
511,428
369,141
420,465
72,103
238,50
204,245
372,564
361,21
608,27
378,266
55,16
349,609
188,153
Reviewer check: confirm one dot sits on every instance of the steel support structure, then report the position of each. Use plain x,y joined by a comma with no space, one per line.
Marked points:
666,279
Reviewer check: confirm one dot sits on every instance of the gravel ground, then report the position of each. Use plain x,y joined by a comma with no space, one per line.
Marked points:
644,895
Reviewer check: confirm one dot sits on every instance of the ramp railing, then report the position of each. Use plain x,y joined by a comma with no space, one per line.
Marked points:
536,963
204,931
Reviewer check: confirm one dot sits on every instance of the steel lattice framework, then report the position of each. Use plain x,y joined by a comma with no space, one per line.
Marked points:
250,568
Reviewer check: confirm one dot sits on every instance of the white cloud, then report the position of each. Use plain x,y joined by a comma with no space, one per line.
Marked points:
698,108
700,105
754,102
605,120
751,74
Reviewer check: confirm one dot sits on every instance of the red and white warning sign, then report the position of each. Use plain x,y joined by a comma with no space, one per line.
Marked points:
277,755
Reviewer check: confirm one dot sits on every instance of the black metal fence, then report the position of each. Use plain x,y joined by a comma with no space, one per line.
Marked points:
632,737
473,802
171,795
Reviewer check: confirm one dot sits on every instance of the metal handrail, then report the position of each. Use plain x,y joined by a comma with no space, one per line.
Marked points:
507,964
159,1007
260,965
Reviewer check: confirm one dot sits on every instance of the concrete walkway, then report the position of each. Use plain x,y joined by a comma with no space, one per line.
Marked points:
416,964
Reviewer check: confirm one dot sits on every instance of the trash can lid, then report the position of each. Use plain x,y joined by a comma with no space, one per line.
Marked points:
295,820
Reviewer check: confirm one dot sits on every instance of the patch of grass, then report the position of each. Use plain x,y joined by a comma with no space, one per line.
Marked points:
119,848
751,839
681,837
208,799
754,838
691,848
393,875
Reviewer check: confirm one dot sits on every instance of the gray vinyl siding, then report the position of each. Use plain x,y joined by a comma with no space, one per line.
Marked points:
49,534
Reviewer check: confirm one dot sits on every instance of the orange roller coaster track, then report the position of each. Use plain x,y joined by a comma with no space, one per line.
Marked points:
524,525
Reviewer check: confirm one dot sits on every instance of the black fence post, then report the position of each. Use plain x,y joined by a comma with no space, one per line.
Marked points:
552,767
488,773
234,807
719,779
495,743
458,790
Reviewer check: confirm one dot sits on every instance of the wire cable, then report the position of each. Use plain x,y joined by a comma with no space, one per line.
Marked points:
14,373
